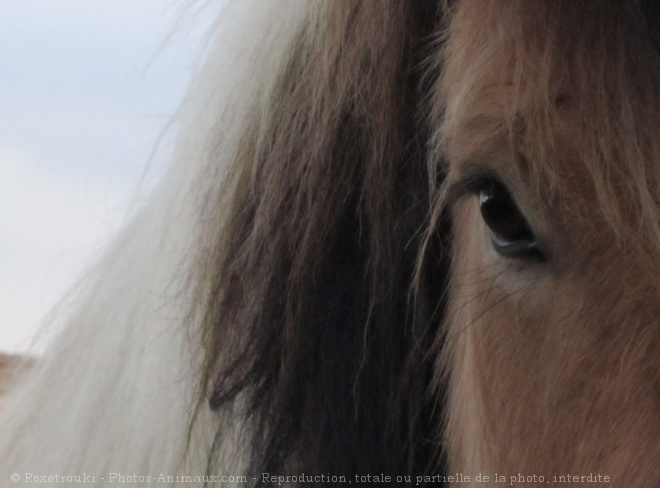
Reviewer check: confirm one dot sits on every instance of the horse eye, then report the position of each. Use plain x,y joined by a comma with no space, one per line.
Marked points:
510,233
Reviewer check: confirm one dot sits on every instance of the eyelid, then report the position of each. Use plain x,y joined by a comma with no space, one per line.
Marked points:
470,183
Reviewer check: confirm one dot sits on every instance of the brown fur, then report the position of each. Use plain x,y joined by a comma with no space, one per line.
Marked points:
555,368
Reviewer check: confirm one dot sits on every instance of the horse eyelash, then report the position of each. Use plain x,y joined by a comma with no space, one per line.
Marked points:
471,184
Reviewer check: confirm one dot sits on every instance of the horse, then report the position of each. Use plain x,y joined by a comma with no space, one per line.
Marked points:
411,243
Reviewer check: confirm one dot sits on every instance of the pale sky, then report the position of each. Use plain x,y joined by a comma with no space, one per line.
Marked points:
85,90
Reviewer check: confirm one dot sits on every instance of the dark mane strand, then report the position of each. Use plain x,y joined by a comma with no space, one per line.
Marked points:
331,366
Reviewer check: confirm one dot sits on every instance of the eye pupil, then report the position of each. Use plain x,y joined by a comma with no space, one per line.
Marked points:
510,234
501,214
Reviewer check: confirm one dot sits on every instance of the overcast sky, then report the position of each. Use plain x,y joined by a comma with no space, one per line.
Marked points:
85,89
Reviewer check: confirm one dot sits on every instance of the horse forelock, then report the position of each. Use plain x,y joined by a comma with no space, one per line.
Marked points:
309,324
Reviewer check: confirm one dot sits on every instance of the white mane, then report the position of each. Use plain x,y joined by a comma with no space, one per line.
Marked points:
117,391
